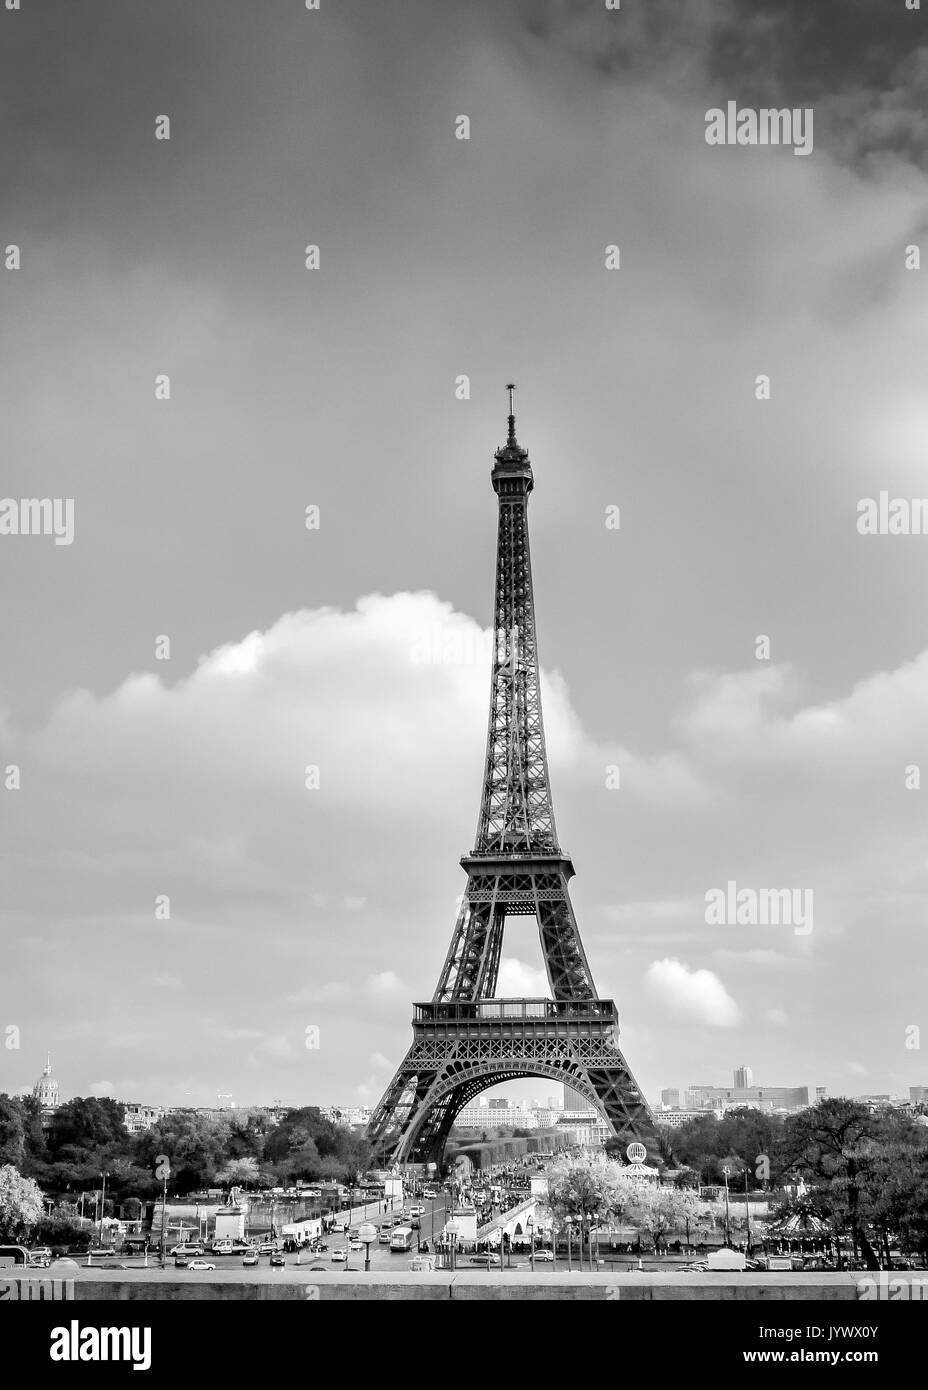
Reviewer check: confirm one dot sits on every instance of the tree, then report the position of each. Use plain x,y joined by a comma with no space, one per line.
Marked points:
832,1143
192,1143
62,1227
89,1127
12,1132
588,1187
21,1204
239,1172
661,1210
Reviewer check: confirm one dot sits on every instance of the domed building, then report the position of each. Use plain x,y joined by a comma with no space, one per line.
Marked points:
45,1092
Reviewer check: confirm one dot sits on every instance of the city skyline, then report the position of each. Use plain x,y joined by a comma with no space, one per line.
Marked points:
518,1093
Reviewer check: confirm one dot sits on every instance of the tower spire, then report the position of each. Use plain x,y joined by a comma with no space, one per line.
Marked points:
512,419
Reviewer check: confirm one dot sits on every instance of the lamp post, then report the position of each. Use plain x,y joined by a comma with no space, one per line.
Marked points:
164,1217
368,1234
451,1229
530,1223
104,1176
747,1209
725,1172
568,1222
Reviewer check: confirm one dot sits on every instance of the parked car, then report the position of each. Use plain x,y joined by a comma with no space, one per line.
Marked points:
101,1250
339,1257
252,1258
186,1249
545,1256
200,1264
485,1260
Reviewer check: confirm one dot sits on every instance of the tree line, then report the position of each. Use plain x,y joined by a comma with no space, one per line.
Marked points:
88,1137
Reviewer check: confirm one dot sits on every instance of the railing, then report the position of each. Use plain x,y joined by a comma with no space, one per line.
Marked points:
543,1010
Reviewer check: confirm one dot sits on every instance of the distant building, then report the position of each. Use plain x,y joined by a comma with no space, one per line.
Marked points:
547,1119
918,1095
874,1103
588,1130
670,1098
573,1101
137,1118
346,1114
674,1118
771,1098
493,1116
744,1078
45,1092
820,1094
499,1103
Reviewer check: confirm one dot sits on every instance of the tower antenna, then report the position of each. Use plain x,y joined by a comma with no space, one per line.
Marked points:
511,386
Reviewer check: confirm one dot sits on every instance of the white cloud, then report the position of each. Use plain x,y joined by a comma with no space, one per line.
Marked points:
695,994
386,983
101,1088
520,981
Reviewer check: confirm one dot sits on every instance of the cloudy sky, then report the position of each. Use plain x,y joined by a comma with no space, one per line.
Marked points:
331,908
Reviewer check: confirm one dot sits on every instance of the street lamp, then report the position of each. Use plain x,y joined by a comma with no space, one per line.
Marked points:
725,1172
104,1176
451,1230
530,1223
569,1223
368,1234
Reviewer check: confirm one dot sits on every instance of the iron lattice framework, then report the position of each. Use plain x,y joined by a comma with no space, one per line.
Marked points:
465,1039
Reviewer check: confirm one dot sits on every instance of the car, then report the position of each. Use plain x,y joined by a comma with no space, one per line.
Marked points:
277,1259
39,1260
415,1211
415,1224
317,1269
545,1256
339,1257
252,1258
355,1244
183,1249
488,1260
200,1264
101,1250
182,1261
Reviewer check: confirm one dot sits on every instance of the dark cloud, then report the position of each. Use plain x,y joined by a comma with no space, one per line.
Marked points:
862,64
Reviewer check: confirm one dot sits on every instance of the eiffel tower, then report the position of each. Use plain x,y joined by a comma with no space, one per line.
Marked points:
465,1039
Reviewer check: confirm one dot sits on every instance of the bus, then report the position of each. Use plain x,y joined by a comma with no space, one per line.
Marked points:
401,1239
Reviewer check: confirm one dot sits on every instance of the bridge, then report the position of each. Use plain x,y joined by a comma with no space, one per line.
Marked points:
507,1221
